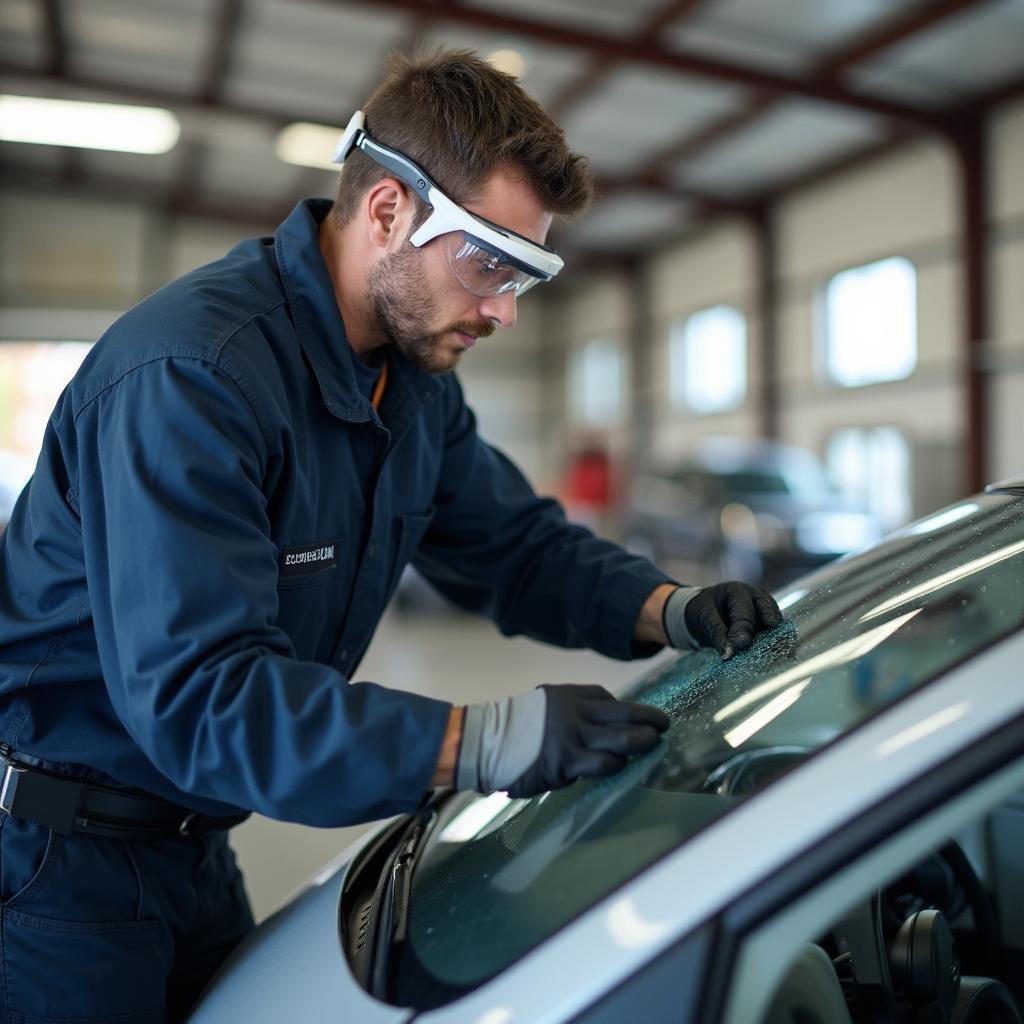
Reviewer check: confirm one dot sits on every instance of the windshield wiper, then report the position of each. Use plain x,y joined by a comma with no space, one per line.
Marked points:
392,924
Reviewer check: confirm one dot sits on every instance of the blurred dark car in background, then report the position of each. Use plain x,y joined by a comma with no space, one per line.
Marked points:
754,510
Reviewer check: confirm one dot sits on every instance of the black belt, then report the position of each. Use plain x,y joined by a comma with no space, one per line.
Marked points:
69,805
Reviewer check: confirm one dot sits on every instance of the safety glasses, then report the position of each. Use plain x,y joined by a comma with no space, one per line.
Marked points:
485,258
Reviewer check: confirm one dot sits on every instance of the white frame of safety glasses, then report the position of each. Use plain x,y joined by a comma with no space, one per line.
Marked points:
537,260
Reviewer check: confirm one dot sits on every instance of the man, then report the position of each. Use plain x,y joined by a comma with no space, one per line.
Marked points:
226,496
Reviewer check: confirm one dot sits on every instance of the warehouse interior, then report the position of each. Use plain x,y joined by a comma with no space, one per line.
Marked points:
809,228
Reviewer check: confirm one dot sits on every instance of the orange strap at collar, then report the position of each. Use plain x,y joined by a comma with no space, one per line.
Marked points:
378,388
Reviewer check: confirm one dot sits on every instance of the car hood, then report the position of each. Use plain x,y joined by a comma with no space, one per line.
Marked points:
299,944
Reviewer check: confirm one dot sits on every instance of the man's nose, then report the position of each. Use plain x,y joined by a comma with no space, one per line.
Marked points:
501,309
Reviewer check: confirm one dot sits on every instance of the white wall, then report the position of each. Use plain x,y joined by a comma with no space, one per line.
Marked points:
504,383
906,203
599,305
58,251
191,242
69,266
716,267
902,205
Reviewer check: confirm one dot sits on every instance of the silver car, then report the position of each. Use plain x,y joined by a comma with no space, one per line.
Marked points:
831,831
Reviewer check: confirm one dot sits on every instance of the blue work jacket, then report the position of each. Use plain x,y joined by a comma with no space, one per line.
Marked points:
200,560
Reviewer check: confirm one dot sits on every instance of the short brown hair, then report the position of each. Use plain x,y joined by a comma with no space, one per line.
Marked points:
461,119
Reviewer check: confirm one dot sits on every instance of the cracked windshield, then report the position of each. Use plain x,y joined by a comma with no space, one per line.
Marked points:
500,875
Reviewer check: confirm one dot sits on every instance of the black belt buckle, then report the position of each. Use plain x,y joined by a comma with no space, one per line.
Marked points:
45,799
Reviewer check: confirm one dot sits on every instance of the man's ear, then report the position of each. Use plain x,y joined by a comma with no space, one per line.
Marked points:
388,212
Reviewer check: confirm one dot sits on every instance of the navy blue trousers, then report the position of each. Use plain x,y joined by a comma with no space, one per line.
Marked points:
122,932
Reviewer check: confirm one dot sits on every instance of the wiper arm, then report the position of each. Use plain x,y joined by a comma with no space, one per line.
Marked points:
401,882
394,916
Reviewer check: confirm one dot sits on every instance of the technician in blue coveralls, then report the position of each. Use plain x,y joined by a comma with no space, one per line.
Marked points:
227,493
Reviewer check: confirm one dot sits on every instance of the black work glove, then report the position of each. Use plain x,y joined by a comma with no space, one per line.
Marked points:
724,616
550,737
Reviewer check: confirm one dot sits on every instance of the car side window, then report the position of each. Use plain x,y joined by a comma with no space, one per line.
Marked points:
913,926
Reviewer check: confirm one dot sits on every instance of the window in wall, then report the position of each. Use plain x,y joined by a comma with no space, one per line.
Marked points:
873,465
597,383
708,360
870,323
32,376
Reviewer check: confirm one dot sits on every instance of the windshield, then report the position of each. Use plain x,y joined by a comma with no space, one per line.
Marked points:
498,876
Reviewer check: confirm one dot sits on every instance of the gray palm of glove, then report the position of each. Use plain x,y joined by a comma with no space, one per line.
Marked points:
550,737
724,616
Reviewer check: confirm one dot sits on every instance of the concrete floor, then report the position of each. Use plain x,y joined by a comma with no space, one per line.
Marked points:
455,657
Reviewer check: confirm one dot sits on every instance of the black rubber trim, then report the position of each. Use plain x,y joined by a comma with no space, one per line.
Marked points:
840,849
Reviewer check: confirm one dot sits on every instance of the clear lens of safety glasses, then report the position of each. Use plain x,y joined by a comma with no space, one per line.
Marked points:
480,272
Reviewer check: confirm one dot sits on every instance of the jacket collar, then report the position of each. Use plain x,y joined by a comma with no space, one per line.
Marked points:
318,322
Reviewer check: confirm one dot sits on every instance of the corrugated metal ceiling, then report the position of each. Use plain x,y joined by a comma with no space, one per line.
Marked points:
684,106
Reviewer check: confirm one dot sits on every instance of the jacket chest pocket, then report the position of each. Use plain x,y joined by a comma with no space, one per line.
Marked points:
408,531
307,565
310,585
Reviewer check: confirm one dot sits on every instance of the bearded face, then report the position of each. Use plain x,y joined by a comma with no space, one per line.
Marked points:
409,295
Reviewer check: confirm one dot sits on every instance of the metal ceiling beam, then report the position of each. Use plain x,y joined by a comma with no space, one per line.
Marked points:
691,144
1007,91
646,54
871,43
223,40
53,21
223,37
191,157
584,85
969,146
897,30
766,249
55,35
270,213
655,183
602,66
642,340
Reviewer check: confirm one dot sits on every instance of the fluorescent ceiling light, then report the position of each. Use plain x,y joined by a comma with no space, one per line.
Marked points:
307,145
765,714
473,821
511,62
922,730
791,598
941,519
630,929
108,126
